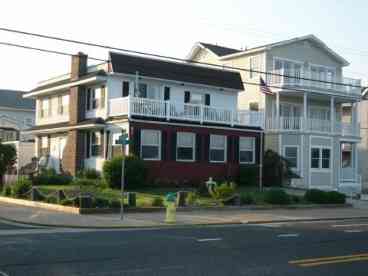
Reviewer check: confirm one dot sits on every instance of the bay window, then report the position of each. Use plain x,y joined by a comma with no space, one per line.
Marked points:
247,150
150,144
217,148
185,146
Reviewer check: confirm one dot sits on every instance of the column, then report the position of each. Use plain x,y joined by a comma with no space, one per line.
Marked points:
354,118
332,114
305,111
278,125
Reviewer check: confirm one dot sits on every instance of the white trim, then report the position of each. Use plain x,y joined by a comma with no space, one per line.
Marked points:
159,145
302,156
17,109
193,147
61,129
225,150
253,149
297,168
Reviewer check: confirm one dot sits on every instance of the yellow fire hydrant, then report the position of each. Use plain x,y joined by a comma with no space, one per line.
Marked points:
170,208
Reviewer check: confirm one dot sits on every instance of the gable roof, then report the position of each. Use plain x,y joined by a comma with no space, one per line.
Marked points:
176,71
14,99
219,50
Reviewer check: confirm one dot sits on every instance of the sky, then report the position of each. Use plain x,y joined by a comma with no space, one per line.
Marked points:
171,28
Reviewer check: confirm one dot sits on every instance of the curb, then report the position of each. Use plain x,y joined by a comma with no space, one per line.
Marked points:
303,220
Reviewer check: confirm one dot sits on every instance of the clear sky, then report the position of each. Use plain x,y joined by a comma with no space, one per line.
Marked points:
171,28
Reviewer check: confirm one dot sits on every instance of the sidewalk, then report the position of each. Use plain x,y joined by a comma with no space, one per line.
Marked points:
37,216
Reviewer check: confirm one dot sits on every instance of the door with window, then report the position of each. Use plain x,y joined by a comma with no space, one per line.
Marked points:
347,161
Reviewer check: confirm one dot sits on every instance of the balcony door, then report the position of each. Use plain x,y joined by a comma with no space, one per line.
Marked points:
290,115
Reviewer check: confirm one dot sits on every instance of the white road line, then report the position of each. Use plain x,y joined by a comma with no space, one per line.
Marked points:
209,239
349,225
295,235
353,231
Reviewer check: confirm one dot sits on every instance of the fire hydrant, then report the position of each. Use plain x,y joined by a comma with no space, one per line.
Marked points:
170,208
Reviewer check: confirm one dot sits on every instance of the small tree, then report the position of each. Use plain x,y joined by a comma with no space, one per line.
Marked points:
135,172
8,157
276,169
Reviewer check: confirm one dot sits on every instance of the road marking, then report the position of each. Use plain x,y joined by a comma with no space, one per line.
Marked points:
330,260
349,225
353,231
209,239
288,235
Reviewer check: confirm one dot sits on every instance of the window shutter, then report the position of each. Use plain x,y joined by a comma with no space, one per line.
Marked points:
207,99
198,144
236,149
137,142
163,144
186,97
88,144
229,149
206,147
103,95
107,144
88,99
257,148
173,146
102,145
125,89
167,93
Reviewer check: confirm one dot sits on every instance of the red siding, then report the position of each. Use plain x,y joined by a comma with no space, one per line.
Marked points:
170,171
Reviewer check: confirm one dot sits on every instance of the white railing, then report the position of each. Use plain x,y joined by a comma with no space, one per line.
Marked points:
315,125
302,79
132,106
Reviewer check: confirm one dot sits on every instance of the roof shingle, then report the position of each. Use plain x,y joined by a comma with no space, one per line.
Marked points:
14,99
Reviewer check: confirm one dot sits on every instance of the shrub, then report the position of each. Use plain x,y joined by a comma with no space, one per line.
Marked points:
114,203
101,202
336,197
50,177
192,198
276,169
7,191
51,199
157,202
277,196
223,191
88,173
247,198
322,197
135,172
85,182
295,199
21,187
248,175
67,202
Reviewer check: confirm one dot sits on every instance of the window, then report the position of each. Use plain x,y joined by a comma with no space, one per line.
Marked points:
254,65
125,92
185,146
63,104
44,104
291,155
253,106
247,150
217,148
95,97
95,143
142,91
167,93
320,158
150,144
346,155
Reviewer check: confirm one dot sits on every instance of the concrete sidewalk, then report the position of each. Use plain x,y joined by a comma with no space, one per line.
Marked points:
36,216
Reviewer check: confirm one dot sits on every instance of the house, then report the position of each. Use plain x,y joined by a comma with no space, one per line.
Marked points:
310,107
16,115
182,119
363,145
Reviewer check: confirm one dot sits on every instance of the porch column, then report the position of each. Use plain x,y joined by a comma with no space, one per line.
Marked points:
354,118
332,113
278,125
305,110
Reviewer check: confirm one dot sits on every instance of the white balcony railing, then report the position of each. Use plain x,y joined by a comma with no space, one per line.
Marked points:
315,125
301,79
133,106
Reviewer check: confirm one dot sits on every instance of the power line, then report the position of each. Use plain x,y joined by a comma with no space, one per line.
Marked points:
86,43
44,50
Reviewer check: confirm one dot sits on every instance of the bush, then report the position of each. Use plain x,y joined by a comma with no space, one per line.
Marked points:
51,200
88,173
101,202
248,175
276,169
157,202
192,198
115,204
21,187
7,191
247,199
50,177
223,191
277,196
322,197
67,202
84,182
135,172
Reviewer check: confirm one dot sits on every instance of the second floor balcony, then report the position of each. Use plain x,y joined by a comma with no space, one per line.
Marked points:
167,110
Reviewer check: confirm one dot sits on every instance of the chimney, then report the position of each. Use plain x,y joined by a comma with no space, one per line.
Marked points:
79,65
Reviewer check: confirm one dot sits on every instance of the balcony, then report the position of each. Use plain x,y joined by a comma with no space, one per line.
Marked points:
133,106
314,125
295,79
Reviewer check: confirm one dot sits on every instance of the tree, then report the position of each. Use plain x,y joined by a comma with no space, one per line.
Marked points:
8,157
276,169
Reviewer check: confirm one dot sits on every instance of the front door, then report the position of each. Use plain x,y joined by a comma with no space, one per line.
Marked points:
347,161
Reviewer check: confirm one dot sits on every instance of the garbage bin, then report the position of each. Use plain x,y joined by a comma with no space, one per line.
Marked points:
170,208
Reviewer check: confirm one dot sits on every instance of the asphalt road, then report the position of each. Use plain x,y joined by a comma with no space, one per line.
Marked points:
329,248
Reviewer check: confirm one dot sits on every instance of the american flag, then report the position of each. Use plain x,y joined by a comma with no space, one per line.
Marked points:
264,88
